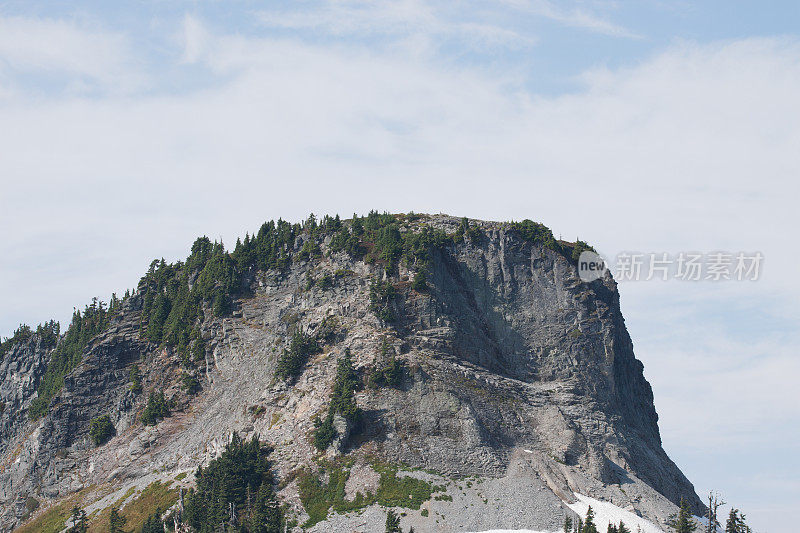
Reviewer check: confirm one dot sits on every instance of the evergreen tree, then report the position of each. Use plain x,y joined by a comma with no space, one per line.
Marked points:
392,522
136,379
190,384
153,524
342,402
622,528
611,528
588,523
420,281
736,523
156,410
116,522
684,523
324,432
293,359
68,352
234,492
567,524
101,430
344,387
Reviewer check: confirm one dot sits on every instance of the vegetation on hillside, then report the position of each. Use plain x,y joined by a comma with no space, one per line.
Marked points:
293,358
101,430
177,297
319,497
235,492
683,523
48,334
342,402
69,352
156,410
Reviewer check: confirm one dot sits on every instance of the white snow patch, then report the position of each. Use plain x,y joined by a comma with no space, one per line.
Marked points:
517,531
606,513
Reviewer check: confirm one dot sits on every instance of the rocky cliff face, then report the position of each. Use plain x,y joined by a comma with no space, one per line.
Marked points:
518,375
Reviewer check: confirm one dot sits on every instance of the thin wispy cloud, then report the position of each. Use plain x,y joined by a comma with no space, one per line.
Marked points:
78,57
395,20
576,17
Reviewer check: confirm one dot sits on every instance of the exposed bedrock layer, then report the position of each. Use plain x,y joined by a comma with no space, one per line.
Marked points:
516,372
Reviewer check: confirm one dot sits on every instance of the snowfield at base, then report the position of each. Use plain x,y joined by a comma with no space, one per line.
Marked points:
607,513
604,513
518,531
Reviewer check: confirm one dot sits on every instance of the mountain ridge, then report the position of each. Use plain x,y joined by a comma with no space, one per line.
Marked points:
511,370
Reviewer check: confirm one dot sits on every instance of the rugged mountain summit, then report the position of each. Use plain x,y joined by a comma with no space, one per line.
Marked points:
489,379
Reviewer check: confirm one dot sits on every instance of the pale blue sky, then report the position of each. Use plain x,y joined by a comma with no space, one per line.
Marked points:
130,129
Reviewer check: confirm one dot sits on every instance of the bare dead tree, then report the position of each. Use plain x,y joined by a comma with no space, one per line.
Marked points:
714,503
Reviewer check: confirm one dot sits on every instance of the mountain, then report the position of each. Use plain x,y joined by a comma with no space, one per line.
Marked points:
456,370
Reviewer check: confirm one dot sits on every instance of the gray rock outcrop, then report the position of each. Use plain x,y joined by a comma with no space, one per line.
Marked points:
518,373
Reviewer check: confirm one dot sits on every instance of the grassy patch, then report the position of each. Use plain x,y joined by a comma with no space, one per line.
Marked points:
53,519
403,491
320,498
157,495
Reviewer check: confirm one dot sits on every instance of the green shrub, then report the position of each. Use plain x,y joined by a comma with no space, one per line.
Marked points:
156,410
324,432
153,524
342,402
420,281
390,374
31,504
293,359
101,430
536,233
319,498
381,296
326,332
190,384
473,233
325,282
579,248
68,354
136,379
